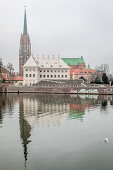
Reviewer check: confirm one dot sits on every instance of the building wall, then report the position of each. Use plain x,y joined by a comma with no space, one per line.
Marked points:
33,74
55,73
30,75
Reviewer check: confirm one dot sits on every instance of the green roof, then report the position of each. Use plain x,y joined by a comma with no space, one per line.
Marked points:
73,61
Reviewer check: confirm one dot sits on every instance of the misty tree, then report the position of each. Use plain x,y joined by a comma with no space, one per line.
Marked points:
104,68
10,68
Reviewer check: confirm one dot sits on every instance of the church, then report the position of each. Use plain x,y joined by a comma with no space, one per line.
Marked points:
48,68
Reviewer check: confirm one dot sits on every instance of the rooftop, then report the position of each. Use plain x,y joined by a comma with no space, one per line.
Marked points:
73,61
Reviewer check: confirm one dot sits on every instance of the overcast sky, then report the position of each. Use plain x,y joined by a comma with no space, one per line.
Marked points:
69,28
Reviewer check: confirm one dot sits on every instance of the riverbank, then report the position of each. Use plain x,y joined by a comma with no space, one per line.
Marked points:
61,90
61,87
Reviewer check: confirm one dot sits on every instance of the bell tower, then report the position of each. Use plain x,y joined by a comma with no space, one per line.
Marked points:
25,46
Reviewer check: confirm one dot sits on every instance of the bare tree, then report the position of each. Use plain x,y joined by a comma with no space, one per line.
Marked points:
10,68
104,68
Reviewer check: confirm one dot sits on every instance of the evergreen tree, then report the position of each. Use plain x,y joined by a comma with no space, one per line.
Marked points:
105,78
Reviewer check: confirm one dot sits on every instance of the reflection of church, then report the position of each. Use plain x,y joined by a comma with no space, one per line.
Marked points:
46,110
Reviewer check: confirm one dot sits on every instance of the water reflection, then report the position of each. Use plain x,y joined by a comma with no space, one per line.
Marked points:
48,110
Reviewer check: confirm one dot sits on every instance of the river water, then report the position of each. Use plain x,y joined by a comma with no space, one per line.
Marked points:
56,132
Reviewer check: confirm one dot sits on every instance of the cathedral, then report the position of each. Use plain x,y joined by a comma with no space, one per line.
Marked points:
25,46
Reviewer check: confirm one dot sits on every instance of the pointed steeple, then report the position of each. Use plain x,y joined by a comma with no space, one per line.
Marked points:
25,23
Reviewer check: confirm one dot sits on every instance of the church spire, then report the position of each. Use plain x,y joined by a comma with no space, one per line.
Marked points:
25,23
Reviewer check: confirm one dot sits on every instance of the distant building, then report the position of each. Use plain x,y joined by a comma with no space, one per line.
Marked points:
87,74
25,47
78,69
75,63
45,68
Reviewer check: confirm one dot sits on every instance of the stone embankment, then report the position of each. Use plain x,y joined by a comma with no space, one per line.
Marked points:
62,90
60,87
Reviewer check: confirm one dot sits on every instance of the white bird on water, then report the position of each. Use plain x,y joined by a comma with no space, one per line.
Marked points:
106,140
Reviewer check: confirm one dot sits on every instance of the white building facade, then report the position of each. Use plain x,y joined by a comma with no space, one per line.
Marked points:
45,68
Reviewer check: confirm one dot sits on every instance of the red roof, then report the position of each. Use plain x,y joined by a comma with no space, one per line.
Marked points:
15,78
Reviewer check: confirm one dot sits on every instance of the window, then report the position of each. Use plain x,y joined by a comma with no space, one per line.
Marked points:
33,69
44,71
60,65
47,70
40,76
55,71
33,75
51,66
26,69
51,70
29,69
62,76
51,75
40,70
55,76
62,71
44,76
66,76
58,75
29,75
42,65
58,70
26,75
65,70
47,75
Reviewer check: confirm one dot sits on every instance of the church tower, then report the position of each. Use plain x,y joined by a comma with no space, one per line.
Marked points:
25,46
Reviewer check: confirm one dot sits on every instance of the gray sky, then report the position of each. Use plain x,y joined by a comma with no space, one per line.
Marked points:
69,28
